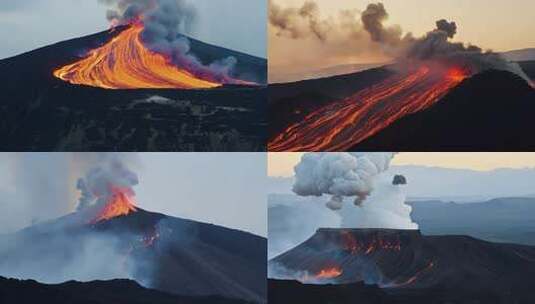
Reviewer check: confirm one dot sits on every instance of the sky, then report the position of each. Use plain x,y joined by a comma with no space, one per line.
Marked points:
491,24
226,189
282,163
494,24
28,24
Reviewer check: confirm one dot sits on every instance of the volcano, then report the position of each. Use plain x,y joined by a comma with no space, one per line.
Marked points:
365,110
171,255
405,262
107,92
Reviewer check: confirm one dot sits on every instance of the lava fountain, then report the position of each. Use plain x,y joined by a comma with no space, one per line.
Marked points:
121,202
126,63
340,125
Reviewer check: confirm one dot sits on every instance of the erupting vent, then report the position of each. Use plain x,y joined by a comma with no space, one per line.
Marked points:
125,63
121,202
342,124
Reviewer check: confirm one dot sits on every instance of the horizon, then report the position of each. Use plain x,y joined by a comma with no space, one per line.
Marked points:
478,24
281,164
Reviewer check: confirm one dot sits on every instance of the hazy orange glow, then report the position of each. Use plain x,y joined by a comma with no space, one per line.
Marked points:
120,203
340,125
125,63
329,273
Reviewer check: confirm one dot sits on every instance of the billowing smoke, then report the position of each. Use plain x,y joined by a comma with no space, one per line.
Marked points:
299,22
97,185
328,41
164,22
384,208
369,30
435,45
362,177
340,175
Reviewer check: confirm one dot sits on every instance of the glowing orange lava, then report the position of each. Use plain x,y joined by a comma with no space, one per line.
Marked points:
368,247
121,202
329,273
125,63
415,277
340,125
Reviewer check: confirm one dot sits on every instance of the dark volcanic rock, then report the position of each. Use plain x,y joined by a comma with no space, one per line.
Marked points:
491,111
39,112
164,253
290,292
403,261
399,180
291,102
95,292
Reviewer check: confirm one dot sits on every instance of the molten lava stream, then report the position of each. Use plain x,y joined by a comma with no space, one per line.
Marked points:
120,203
125,63
329,273
340,125
324,274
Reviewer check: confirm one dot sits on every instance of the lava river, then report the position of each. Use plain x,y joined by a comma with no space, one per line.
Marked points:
340,125
126,63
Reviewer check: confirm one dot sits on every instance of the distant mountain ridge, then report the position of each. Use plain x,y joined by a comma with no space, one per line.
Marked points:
527,54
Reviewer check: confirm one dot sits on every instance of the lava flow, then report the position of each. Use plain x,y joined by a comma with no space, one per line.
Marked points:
323,275
340,125
120,202
125,63
329,273
355,247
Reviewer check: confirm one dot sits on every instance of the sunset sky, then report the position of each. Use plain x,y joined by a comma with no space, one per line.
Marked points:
494,24
490,24
282,164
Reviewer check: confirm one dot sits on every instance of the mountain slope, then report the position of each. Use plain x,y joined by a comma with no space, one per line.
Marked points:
96,292
169,254
41,112
291,102
405,259
490,111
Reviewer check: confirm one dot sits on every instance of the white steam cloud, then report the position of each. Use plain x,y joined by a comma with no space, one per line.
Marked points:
359,177
344,174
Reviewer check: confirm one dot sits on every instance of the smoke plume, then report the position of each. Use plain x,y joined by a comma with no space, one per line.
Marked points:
369,29
339,175
378,196
96,186
299,22
435,45
384,208
164,22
